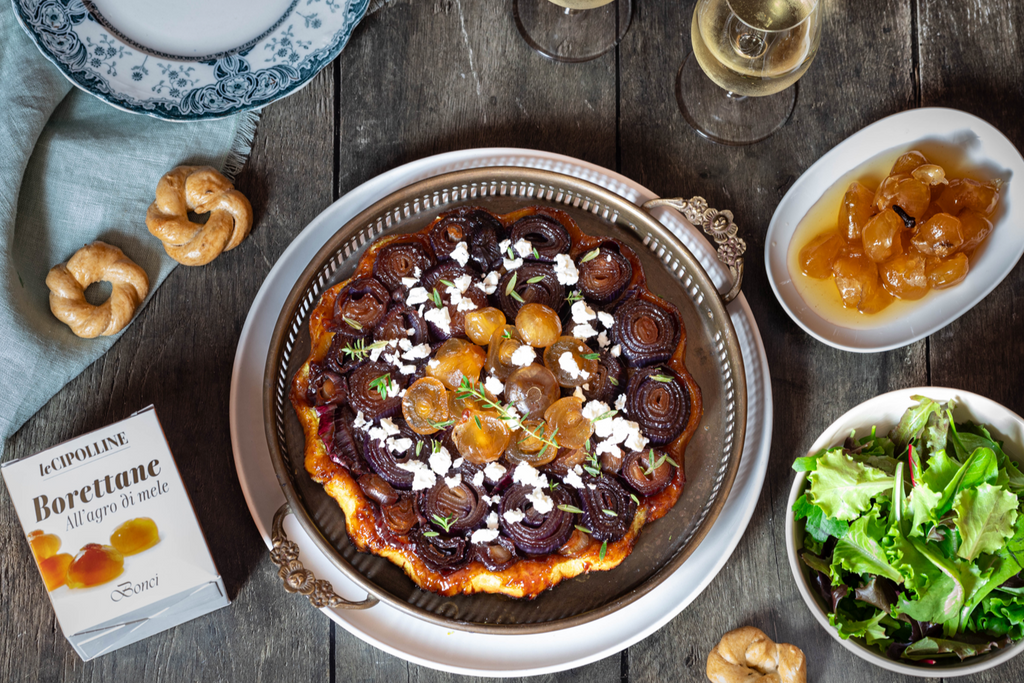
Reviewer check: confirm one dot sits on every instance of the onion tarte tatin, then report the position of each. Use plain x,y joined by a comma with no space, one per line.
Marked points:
497,403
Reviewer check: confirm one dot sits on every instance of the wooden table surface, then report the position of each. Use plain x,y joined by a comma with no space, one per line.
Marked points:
420,78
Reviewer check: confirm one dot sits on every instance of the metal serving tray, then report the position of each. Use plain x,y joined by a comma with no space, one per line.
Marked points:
712,357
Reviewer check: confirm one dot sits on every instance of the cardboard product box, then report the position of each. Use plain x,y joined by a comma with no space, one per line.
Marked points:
114,535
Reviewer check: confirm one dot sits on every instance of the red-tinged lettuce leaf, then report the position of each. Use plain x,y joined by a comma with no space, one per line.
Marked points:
913,423
937,648
985,519
829,592
860,552
844,488
816,563
878,592
818,525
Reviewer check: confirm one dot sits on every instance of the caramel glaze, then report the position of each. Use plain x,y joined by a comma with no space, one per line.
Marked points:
528,577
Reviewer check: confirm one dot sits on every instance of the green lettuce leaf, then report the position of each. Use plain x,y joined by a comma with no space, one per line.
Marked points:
940,590
870,629
860,552
985,519
808,463
1005,564
819,526
940,471
843,488
936,431
921,505
979,468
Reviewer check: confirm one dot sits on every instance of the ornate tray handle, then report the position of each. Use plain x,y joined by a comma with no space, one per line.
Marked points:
298,579
716,224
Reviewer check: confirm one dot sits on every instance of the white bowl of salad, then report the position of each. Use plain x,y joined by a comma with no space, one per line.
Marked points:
931,585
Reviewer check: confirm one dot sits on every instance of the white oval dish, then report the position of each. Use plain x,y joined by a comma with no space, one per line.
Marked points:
981,146
884,412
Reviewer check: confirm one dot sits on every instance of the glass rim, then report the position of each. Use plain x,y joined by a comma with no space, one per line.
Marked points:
810,12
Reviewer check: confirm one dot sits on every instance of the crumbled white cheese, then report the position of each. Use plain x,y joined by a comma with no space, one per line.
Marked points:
572,478
584,331
513,516
389,426
440,461
578,393
523,356
603,341
403,344
620,403
463,282
492,520
410,332
635,441
511,264
416,352
494,471
565,270
594,409
606,319
489,283
457,463
527,474
542,502
504,245
375,353
582,313
461,253
407,369
523,247
417,295
399,445
393,390
585,374
568,364
454,481
411,281
512,418
422,476
478,479
608,447
433,363
483,536
603,428
441,318
360,421
465,304
616,351
494,385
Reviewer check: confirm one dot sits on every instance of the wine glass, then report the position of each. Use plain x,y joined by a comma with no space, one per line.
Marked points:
734,88
572,30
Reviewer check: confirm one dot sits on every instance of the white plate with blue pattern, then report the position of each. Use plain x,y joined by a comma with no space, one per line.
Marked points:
190,59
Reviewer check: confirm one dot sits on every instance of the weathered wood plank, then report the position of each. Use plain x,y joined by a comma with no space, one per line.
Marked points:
178,356
812,383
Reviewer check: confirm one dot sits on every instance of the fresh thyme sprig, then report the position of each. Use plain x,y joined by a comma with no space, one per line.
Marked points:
382,384
352,323
358,349
445,522
479,393
650,465
591,255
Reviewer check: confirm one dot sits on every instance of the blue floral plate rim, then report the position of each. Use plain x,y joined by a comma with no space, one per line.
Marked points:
308,38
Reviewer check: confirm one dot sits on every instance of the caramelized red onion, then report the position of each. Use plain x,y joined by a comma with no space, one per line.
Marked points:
498,555
364,395
400,516
607,382
397,323
483,245
401,259
648,332
638,473
547,235
659,403
386,463
537,533
441,553
605,277
461,506
478,228
359,307
376,489
608,510
545,290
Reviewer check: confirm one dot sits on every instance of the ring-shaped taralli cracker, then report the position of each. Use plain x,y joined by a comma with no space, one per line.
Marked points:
92,263
199,189
748,655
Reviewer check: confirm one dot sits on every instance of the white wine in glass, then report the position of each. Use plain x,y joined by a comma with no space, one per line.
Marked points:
572,30
735,87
